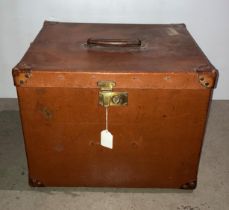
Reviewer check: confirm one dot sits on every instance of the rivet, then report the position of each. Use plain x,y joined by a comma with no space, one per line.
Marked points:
206,83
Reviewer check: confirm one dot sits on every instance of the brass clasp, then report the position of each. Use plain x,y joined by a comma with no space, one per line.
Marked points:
109,98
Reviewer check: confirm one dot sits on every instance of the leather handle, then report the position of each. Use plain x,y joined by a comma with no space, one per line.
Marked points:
114,42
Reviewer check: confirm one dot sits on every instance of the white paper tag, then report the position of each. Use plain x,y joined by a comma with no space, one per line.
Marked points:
106,139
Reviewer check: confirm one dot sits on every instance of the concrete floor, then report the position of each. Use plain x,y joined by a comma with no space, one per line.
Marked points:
212,191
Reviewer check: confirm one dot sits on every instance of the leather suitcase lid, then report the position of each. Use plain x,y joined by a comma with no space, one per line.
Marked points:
62,47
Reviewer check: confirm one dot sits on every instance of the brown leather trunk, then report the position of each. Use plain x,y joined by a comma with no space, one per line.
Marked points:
158,133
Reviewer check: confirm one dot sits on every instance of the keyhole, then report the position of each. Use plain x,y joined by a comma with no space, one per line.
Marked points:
116,99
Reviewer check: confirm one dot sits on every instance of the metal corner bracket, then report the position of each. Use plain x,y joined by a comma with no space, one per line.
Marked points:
207,76
21,75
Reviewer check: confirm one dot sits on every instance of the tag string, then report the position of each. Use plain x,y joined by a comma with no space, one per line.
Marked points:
106,118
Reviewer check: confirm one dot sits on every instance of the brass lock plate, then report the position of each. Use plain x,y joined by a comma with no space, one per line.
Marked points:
113,98
109,98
